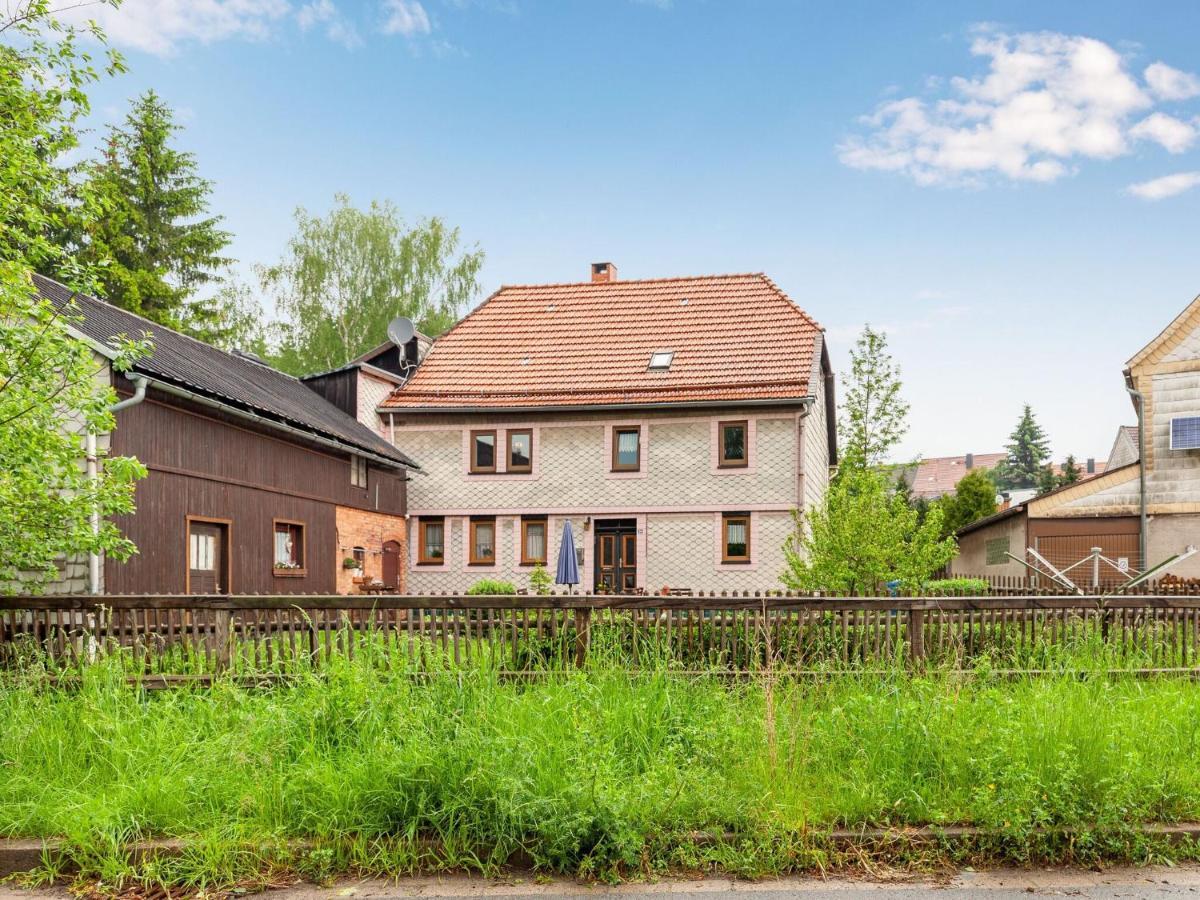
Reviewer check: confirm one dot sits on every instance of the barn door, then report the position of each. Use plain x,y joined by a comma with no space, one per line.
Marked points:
208,558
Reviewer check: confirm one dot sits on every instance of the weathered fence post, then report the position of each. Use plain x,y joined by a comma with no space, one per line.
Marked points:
222,636
916,636
583,634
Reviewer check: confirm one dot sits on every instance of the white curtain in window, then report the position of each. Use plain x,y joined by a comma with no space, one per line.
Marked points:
202,552
433,541
735,536
627,446
535,541
485,541
283,548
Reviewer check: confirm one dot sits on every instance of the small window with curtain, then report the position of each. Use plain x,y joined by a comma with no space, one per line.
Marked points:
626,449
483,451
358,471
735,541
733,452
289,548
533,541
520,450
483,542
431,542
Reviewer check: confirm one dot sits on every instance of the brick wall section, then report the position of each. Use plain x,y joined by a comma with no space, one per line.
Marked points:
369,530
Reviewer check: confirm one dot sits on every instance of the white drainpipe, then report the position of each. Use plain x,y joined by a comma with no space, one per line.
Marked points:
93,471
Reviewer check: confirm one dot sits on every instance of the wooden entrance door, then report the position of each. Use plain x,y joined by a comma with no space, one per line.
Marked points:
391,564
616,556
208,557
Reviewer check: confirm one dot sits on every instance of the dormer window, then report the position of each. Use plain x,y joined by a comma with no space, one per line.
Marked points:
660,360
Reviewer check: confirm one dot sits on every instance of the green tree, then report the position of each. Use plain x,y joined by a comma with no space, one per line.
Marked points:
1071,472
873,413
974,498
862,536
349,273
231,318
143,220
1028,449
50,394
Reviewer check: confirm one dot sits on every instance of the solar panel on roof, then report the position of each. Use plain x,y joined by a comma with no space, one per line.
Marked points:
1185,433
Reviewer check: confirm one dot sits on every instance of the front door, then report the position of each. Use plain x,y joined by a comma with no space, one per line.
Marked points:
616,556
391,564
208,558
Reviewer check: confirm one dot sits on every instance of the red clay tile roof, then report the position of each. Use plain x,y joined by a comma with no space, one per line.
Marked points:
938,475
735,337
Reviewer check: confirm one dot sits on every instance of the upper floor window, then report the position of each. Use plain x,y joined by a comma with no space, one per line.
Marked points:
431,541
732,445
483,451
735,539
533,541
483,542
626,449
358,471
289,548
520,450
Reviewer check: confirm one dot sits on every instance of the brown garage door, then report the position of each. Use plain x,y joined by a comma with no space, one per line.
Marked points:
1062,551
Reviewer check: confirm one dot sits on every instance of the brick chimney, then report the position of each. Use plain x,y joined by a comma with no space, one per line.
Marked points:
970,461
603,272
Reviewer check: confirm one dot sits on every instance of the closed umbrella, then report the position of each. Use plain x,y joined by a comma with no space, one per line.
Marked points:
568,566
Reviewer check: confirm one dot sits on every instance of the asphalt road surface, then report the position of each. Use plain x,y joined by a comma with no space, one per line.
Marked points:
1002,884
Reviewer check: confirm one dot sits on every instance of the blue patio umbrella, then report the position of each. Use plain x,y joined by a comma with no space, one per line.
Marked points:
568,566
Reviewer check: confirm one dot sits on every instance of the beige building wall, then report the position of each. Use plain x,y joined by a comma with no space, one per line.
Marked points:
676,498
1170,534
972,559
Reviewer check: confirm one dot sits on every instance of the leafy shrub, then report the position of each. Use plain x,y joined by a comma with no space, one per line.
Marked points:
540,580
957,587
492,586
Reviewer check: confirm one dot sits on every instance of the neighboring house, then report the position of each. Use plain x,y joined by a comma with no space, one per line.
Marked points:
1105,511
936,476
675,422
256,484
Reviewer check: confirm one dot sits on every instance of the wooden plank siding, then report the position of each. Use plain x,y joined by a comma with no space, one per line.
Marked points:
203,464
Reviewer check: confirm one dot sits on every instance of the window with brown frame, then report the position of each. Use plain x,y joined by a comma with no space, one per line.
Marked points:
483,542
533,541
520,450
735,538
483,451
289,548
358,471
431,542
626,449
732,448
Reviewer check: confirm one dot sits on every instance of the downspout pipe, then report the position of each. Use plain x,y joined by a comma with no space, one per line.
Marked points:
1140,400
93,472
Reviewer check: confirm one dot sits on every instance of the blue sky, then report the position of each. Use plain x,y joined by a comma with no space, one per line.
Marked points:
983,180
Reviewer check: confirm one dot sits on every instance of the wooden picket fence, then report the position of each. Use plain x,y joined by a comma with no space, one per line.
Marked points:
181,637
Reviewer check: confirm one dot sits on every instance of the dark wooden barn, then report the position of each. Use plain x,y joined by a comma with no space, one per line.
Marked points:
257,484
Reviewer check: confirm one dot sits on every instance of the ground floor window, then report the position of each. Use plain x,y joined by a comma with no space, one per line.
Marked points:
431,541
735,538
483,542
533,541
289,547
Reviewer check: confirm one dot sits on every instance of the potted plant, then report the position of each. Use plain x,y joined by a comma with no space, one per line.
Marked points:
351,563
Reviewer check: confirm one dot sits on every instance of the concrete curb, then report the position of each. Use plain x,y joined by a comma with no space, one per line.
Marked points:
22,855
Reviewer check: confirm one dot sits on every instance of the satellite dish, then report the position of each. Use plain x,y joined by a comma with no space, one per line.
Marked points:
400,331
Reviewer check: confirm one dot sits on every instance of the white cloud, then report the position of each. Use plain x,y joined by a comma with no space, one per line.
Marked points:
1046,101
159,26
337,28
1167,186
405,17
1171,84
1175,136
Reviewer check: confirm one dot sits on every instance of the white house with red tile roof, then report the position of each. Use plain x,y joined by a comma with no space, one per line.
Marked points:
675,422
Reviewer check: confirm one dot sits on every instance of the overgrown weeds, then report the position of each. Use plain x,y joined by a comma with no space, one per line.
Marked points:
595,773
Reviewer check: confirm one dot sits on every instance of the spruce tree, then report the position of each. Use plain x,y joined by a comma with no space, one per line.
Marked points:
151,234
1028,449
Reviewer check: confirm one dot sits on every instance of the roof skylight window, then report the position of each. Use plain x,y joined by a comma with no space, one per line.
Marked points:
660,360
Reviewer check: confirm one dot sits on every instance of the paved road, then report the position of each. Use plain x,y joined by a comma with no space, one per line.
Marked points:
1002,884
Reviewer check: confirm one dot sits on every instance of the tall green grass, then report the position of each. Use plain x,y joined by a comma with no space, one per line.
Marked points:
591,772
